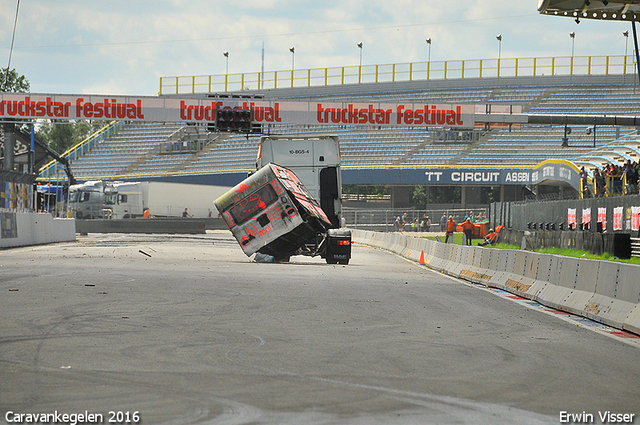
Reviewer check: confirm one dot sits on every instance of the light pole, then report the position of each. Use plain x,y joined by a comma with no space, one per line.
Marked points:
428,40
293,55
499,38
572,34
626,41
360,67
226,55
626,45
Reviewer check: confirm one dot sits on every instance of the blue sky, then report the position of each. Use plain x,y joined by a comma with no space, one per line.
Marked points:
123,47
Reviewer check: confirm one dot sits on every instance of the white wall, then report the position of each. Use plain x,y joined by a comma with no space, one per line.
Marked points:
40,228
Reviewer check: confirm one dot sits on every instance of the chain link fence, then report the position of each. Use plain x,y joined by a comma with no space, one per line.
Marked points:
382,220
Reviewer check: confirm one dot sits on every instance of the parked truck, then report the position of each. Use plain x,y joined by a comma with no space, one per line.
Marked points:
272,213
86,199
123,199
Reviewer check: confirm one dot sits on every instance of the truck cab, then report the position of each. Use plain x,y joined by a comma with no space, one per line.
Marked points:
124,200
85,200
315,159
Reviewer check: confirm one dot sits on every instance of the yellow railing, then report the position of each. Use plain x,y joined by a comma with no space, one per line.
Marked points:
473,68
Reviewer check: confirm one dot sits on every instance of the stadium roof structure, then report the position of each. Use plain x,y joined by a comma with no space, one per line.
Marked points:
616,10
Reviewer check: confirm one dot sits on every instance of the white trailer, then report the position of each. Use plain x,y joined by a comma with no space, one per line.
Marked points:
117,200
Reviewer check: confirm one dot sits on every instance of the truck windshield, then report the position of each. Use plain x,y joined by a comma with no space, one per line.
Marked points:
73,196
110,199
249,206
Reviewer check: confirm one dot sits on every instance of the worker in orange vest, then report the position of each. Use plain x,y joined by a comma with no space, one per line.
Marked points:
490,239
467,228
451,228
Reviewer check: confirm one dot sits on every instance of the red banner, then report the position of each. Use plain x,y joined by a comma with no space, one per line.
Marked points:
175,109
602,217
571,217
617,218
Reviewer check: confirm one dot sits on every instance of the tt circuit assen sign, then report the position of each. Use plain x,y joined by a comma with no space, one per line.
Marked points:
478,176
551,170
173,109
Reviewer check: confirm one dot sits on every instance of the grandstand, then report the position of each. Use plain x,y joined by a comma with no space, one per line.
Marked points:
139,150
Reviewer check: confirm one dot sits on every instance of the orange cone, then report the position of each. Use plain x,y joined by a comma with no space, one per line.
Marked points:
421,258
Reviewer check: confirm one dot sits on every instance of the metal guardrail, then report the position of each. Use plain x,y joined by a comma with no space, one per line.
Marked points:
635,247
409,71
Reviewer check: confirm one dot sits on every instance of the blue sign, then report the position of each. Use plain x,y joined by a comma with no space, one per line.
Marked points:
475,176
550,171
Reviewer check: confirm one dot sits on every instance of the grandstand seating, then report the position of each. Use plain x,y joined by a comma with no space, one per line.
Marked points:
118,153
134,150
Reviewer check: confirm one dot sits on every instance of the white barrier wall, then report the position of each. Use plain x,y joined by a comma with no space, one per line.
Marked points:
24,229
603,291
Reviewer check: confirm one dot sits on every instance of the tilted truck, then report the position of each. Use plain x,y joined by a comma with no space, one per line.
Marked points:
272,213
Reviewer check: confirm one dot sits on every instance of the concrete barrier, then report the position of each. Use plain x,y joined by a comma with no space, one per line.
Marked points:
484,265
368,238
429,249
629,285
439,256
506,264
519,279
603,291
25,229
413,248
614,300
450,257
376,240
462,260
499,260
146,225
562,285
547,265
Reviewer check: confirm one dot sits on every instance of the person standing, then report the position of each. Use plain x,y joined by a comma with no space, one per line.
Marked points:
498,230
451,228
443,222
467,228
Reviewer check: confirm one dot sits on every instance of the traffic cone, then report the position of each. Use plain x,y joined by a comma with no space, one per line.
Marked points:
421,258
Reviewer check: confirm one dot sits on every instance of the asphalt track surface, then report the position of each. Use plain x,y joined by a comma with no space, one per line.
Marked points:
187,330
